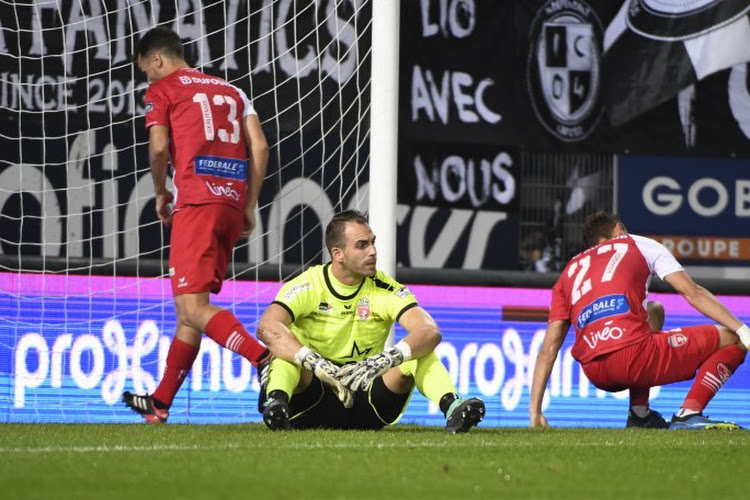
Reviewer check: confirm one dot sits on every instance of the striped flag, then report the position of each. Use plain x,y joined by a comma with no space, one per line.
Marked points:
653,49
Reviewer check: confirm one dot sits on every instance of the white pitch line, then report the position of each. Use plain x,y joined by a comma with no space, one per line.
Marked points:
248,446
404,445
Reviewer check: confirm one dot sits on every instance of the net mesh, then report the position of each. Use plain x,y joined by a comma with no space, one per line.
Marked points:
86,311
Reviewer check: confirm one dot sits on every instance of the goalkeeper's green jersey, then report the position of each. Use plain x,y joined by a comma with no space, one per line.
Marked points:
343,323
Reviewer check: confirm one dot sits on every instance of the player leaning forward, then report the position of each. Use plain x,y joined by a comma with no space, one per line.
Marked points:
602,292
327,329
206,127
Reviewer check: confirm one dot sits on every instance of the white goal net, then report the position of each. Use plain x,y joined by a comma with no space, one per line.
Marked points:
85,309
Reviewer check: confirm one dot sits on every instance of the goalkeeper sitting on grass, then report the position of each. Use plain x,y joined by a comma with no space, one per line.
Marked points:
327,329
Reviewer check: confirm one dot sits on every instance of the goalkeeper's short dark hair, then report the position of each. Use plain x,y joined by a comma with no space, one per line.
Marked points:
337,226
599,225
162,39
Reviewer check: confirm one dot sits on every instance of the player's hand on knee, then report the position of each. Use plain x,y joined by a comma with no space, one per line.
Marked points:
326,372
360,376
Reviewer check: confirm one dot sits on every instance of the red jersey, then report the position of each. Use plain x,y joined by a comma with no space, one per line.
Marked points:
602,292
206,142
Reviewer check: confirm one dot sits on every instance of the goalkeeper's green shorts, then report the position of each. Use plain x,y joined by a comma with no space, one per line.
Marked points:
318,407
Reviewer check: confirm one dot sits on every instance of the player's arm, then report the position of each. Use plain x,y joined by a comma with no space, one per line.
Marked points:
422,333
256,172
158,155
705,302
553,339
273,330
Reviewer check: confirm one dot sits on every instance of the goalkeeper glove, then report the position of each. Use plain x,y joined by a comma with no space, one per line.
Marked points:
361,375
326,373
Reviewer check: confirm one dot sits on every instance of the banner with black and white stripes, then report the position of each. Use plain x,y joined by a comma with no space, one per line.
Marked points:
626,76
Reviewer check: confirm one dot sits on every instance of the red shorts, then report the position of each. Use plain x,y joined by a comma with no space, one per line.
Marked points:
201,244
661,358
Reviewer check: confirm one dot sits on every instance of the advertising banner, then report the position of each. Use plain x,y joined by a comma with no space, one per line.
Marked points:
699,208
68,358
635,76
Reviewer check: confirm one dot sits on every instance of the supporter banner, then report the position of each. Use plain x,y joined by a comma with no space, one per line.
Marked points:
458,206
74,60
68,358
578,75
698,208
459,72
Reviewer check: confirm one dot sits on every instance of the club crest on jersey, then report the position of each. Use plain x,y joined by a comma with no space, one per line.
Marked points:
677,340
564,68
363,308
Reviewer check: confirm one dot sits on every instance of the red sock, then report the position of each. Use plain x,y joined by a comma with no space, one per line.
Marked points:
179,361
711,376
227,331
639,397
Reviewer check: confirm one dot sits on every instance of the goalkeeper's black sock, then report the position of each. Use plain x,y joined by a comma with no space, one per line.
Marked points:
279,395
446,401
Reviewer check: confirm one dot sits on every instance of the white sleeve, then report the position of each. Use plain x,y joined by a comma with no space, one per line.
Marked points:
249,109
660,261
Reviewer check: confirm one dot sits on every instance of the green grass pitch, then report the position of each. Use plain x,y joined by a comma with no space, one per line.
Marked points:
248,461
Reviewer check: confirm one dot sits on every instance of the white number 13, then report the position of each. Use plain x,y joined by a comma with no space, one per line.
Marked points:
581,284
208,119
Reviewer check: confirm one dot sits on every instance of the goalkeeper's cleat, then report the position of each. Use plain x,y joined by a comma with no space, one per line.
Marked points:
698,421
144,405
276,415
653,420
464,414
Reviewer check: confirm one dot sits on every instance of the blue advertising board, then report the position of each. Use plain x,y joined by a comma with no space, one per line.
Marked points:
69,346
684,196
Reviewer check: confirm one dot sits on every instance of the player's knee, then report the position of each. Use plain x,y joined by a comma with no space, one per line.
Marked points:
727,337
655,315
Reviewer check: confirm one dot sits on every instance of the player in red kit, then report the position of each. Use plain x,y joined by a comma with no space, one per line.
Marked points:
205,126
602,292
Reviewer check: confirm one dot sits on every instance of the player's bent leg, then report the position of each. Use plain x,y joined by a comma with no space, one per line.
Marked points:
435,383
639,414
713,372
273,400
220,325
397,381
385,406
183,350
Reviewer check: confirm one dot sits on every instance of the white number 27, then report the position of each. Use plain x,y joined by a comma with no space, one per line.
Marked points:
582,284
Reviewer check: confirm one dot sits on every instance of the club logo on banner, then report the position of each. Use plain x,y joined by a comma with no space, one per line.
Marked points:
564,69
673,22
